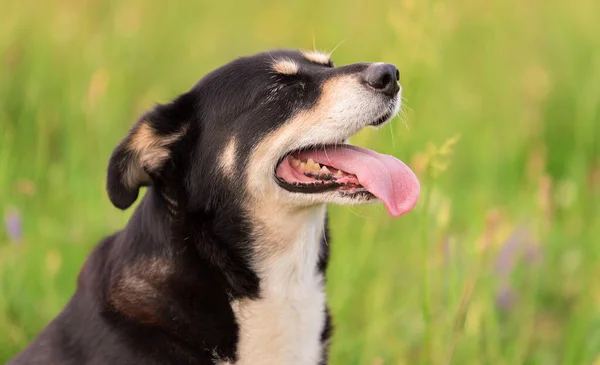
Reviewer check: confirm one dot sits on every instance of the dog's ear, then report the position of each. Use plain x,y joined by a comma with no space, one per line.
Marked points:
141,156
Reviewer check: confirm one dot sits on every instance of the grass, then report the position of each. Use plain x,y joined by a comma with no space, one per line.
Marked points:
498,264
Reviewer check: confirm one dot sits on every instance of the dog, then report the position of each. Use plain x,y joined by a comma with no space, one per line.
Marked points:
224,259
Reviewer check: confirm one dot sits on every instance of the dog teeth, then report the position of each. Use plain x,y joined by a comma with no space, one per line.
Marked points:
312,165
314,169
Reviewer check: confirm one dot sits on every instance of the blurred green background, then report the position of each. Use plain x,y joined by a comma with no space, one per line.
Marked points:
498,264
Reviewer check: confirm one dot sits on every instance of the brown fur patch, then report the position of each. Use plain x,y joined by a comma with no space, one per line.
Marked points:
138,292
317,57
151,148
286,67
150,151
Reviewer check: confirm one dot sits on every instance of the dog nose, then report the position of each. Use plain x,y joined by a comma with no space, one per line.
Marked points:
383,77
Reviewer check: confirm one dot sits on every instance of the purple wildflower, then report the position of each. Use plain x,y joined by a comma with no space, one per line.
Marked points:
519,249
505,298
520,246
12,222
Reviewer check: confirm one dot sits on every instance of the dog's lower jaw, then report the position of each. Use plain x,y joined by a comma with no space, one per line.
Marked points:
286,324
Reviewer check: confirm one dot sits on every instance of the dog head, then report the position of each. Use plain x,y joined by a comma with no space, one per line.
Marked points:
269,127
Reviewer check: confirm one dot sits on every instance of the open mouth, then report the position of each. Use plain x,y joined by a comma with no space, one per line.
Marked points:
298,172
352,172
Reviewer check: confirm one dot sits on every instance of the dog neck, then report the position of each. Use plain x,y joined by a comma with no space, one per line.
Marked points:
287,241
285,324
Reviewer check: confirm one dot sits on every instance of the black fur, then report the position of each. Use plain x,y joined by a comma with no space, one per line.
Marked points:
188,244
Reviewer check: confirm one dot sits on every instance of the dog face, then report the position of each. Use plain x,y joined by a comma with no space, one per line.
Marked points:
269,127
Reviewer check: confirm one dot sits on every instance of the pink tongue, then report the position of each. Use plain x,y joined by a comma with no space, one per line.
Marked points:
386,177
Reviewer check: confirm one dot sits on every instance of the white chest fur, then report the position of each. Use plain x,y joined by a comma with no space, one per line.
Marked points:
284,325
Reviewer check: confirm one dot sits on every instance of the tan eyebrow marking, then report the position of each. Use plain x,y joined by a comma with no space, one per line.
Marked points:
286,66
317,57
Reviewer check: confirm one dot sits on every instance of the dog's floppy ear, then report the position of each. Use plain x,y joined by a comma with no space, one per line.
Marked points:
144,152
